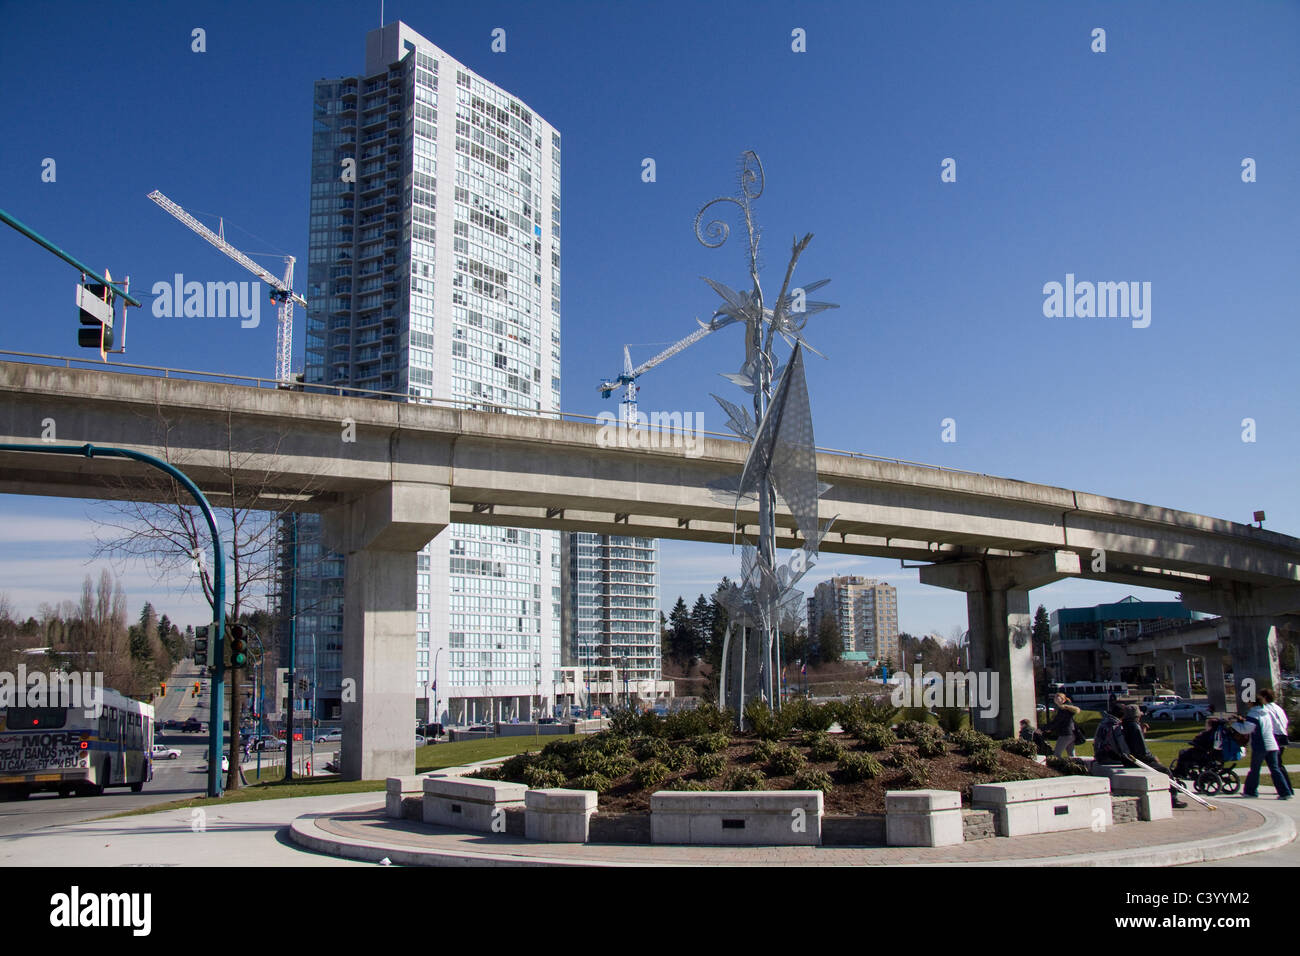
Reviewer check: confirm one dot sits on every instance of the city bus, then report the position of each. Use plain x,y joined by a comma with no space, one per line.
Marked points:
63,749
1089,694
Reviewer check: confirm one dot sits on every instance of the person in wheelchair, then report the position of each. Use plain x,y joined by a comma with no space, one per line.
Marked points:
1206,752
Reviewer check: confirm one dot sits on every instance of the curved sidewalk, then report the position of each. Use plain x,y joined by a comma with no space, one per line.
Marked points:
1192,836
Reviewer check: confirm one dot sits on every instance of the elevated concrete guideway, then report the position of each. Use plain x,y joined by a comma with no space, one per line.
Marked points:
547,473
390,475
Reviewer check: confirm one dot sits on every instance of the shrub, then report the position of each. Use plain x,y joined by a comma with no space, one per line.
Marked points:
630,723
898,757
859,766
968,740
877,737
854,726
785,761
487,773
563,747
761,721
875,710
710,765
917,715
651,748
1021,748
678,758
984,760
650,774
916,774
1068,765
683,783
822,747
607,743
620,765
930,746
1005,775
952,718
747,778
516,768
711,743
801,714
590,760
763,751
705,719
592,781
810,778
916,729
543,778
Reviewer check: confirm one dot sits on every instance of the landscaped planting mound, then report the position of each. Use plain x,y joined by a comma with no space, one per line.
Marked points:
795,749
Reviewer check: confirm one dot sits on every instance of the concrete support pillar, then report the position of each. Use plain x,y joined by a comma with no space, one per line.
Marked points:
1251,613
1253,647
1182,676
999,623
380,535
1215,688
997,605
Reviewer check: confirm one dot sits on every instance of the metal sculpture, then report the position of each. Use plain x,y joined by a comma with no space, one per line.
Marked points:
782,457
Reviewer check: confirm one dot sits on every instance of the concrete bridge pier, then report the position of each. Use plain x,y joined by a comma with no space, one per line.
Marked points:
1252,613
1215,686
380,534
997,607
1180,665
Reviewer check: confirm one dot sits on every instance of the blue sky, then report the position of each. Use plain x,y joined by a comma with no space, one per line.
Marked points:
1115,166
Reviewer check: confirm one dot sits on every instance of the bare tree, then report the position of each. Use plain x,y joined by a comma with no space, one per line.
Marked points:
168,532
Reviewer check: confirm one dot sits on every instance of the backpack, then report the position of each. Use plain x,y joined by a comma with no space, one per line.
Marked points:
1105,745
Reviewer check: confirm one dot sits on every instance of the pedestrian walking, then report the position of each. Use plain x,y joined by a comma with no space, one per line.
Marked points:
1264,749
1281,730
1062,725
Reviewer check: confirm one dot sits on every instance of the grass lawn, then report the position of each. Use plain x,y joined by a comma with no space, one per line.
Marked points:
273,787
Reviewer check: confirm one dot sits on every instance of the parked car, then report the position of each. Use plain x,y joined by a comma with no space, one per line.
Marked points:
172,725
1183,710
1156,700
192,726
162,752
420,741
225,763
333,735
268,742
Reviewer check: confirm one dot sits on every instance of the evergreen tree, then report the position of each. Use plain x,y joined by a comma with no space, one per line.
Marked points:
681,631
702,625
1042,632
830,643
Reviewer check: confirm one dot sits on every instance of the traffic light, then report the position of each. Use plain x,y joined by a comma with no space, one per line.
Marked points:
201,655
96,305
238,646
163,685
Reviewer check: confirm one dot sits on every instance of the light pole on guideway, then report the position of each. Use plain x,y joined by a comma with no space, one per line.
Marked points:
218,580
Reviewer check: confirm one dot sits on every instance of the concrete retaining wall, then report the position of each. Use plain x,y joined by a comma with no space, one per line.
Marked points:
619,828
742,818
923,818
559,815
867,829
978,825
477,805
1045,806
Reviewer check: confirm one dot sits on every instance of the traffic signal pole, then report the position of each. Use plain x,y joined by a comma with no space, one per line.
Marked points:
36,237
218,575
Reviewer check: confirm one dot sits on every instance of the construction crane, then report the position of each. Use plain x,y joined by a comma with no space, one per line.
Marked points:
627,380
281,289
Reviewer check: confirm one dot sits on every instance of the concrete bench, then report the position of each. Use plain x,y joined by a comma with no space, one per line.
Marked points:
923,818
737,818
398,788
1150,787
466,804
558,815
1023,807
